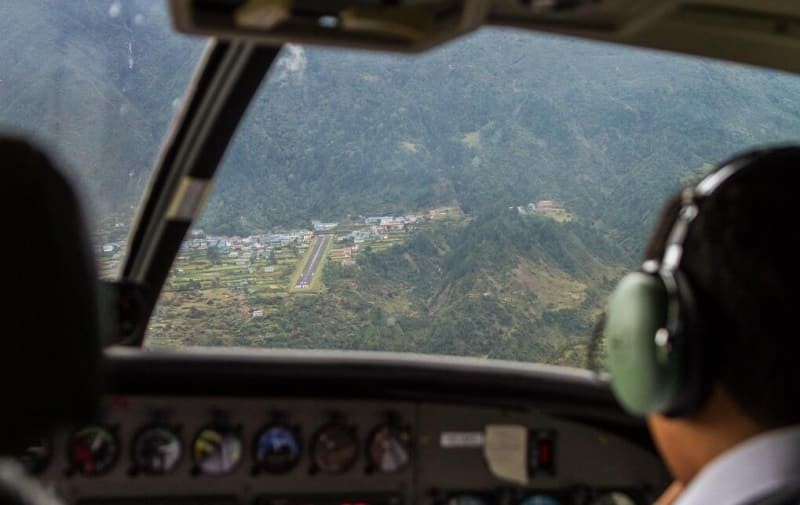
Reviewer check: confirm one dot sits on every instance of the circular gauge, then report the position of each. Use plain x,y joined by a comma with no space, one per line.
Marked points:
539,499
388,450
156,450
465,499
277,449
93,450
615,498
334,448
36,457
217,451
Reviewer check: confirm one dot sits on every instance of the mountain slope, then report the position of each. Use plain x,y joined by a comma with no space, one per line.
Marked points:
500,117
500,285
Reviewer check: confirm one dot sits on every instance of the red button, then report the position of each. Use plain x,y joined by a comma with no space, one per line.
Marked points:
545,454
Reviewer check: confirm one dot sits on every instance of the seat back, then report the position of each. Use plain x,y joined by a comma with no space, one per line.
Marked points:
50,345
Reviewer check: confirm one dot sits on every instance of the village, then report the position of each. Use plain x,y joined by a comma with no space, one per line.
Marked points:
277,261
292,261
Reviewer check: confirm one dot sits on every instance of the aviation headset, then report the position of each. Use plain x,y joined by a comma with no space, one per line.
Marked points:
654,354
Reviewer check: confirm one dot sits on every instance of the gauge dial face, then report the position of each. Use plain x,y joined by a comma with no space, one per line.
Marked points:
156,450
334,449
277,449
615,498
217,451
539,499
36,457
93,450
388,449
466,499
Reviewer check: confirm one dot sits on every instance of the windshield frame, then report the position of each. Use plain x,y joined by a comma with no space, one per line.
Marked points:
225,81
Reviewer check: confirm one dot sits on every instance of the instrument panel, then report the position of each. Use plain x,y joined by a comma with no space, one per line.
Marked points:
198,449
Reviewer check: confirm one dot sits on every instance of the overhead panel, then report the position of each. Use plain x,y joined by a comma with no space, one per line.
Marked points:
758,32
399,25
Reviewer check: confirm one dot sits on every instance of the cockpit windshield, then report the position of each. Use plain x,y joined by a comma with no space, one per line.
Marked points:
480,200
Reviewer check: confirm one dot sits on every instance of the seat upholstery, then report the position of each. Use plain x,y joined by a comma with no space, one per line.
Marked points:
50,345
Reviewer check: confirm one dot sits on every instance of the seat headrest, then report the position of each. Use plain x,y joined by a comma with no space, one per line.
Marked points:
50,348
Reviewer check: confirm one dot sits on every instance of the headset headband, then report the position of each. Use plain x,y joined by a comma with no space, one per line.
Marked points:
690,208
670,263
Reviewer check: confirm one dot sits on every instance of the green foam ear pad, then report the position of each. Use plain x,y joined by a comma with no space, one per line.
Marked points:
643,377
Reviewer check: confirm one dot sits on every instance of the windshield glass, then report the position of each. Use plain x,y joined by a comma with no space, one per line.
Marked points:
96,85
478,200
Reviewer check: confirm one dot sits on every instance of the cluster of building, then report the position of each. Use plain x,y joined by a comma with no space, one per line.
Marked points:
356,236
263,245
345,255
388,220
385,224
540,206
252,246
320,226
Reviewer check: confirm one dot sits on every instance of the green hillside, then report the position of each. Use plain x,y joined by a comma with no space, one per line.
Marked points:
500,117
499,285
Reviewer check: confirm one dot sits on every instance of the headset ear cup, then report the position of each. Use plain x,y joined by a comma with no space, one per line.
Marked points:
644,378
694,383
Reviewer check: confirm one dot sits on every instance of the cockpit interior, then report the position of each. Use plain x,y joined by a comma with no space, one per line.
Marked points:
111,402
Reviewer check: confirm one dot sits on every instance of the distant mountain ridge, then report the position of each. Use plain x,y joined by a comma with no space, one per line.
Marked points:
499,117
607,131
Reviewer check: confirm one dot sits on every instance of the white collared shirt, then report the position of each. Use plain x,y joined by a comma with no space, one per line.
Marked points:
753,470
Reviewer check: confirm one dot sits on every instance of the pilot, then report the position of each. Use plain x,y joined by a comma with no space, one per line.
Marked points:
703,339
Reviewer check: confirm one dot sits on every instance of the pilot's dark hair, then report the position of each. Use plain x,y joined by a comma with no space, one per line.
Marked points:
742,258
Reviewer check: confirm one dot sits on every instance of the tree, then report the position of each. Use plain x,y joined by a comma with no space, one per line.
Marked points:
213,255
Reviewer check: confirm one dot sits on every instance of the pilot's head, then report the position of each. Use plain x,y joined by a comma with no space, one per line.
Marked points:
703,339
